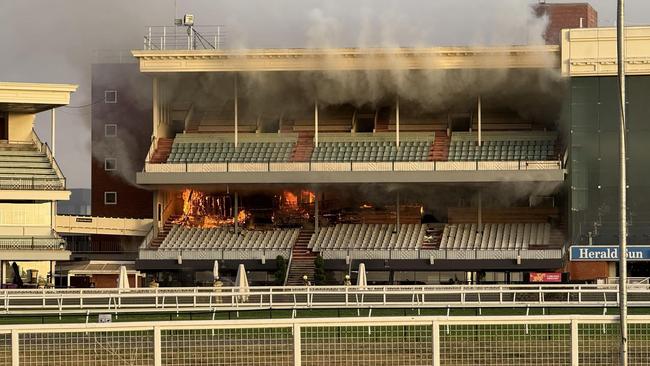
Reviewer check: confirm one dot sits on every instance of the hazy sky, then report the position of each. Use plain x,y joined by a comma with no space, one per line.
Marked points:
56,40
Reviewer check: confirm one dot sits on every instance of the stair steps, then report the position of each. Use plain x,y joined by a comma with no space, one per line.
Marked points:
163,150
302,262
440,148
304,147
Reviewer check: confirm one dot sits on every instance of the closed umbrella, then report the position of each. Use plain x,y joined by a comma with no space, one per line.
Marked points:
123,279
241,282
215,270
362,279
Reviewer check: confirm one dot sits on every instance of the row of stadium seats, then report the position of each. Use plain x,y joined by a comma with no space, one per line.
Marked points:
24,162
502,146
372,151
246,152
495,236
369,236
181,237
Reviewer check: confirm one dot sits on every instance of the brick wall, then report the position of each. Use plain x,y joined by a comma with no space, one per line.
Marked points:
563,16
132,115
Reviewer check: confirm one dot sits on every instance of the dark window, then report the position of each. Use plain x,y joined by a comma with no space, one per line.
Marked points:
110,96
110,130
110,198
4,127
110,164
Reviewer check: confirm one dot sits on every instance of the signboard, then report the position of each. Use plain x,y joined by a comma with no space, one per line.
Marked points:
608,253
104,318
554,277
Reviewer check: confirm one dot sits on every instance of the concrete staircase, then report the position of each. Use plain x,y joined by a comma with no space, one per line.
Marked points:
436,233
440,147
163,150
304,147
155,243
302,262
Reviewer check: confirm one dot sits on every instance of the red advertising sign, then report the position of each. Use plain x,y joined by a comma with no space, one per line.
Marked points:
545,277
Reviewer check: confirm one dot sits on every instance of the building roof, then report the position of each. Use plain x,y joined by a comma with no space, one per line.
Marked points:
33,97
348,59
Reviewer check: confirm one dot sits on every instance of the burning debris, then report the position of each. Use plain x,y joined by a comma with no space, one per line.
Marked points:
294,209
206,211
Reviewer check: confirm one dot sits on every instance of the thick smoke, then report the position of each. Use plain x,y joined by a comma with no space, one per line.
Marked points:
55,42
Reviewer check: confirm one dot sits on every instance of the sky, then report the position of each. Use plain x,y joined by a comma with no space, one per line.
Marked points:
58,40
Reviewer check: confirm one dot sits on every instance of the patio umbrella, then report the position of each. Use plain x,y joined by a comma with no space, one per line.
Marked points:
362,279
241,282
215,270
123,279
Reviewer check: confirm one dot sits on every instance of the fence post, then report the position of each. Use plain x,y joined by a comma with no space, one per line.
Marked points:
297,347
575,359
157,347
15,351
435,338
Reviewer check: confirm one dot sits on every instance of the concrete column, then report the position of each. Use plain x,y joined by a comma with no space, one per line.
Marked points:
236,114
397,212
316,212
316,123
53,131
2,273
480,213
397,121
68,281
156,105
479,121
236,212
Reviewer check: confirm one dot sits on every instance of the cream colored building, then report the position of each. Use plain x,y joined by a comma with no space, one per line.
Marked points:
31,183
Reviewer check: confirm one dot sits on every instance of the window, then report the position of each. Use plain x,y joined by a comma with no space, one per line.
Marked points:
110,130
110,198
110,96
110,164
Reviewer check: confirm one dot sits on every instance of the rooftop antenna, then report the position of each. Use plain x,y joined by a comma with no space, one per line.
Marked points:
193,36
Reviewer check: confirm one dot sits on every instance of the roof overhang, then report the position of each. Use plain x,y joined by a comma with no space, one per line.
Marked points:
349,59
33,97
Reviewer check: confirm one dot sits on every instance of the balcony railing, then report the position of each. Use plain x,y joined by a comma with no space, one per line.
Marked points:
31,243
353,166
435,254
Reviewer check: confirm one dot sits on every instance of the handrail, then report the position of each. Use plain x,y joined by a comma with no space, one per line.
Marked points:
148,238
286,275
350,166
35,301
44,148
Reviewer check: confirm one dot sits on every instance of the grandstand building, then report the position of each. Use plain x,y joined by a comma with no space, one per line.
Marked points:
429,165
31,183
253,158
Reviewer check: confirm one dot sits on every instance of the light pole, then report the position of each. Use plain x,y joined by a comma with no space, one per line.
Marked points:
622,253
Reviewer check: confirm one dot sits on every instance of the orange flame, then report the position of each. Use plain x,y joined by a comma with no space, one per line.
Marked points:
290,199
201,210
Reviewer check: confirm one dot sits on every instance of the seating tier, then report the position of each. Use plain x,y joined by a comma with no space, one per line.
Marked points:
187,238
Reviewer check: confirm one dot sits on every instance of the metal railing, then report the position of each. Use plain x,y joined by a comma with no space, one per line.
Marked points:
209,299
208,37
399,341
31,243
45,149
234,253
352,166
442,254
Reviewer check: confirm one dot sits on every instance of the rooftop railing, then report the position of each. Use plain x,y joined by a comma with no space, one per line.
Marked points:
209,37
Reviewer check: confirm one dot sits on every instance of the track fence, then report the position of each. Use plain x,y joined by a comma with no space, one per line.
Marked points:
520,341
